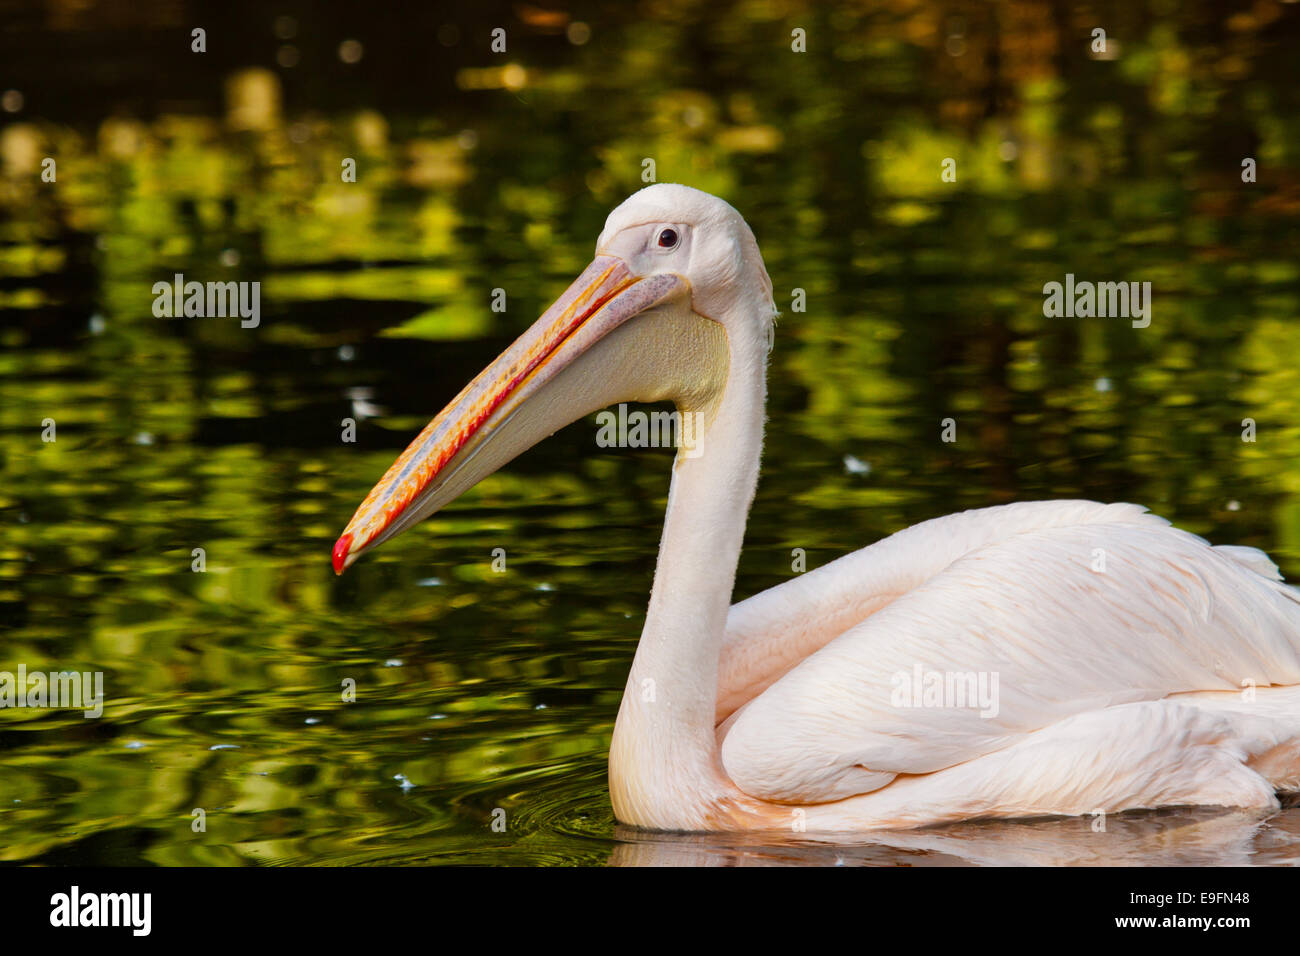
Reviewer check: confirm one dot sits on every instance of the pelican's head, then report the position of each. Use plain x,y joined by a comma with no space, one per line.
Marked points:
676,297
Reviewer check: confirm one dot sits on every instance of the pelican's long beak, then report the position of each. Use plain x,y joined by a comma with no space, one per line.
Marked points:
515,402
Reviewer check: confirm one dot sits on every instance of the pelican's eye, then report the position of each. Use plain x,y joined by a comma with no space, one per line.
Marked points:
668,238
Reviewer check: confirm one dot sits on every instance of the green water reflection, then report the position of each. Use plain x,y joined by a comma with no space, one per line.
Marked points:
477,690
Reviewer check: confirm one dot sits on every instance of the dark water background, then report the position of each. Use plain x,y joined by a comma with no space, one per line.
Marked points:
476,171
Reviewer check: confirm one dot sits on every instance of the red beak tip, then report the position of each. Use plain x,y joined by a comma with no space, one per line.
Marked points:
342,548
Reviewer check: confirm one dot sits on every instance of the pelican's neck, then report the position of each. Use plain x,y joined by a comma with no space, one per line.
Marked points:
664,764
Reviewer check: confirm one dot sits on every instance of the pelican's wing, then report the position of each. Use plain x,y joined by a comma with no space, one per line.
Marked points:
770,632
974,631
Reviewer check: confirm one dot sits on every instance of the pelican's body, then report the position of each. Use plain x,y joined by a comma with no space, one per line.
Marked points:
1060,657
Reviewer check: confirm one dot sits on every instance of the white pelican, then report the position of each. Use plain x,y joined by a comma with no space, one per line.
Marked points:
1171,678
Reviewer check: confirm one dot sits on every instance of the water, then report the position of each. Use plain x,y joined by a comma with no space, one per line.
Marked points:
480,693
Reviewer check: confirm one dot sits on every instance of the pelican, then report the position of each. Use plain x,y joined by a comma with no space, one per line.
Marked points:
841,700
